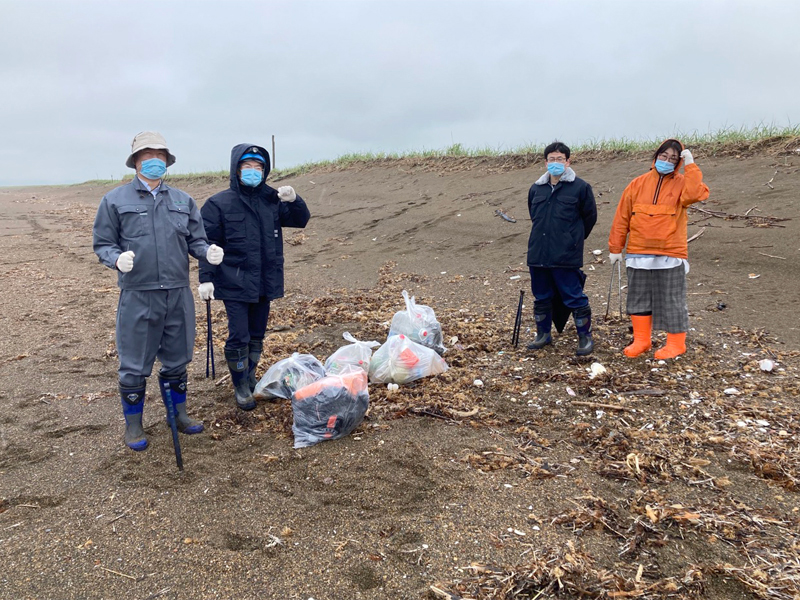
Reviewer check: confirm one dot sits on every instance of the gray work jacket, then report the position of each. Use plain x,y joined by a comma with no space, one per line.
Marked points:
161,231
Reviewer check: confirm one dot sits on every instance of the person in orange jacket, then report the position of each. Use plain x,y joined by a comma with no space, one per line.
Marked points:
651,216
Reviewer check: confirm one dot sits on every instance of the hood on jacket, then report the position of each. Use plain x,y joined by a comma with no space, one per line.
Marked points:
680,158
236,156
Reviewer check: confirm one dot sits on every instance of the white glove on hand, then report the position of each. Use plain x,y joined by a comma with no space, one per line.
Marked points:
125,261
687,157
206,291
614,258
214,254
286,193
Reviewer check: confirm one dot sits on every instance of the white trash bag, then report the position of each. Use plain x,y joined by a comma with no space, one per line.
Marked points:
288,375
356,354
402,360
419,323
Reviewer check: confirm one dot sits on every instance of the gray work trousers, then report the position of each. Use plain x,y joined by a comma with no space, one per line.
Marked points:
154,324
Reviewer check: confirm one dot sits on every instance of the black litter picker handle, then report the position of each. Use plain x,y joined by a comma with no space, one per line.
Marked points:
517,321
209,343
173,424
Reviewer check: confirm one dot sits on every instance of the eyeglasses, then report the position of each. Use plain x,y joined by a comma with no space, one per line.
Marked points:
668,157
556,159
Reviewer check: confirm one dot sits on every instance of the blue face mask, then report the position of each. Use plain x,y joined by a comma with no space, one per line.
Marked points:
251,177
153,168
664,167
556,169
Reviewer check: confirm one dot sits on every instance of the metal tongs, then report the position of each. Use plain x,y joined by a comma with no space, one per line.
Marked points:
611,286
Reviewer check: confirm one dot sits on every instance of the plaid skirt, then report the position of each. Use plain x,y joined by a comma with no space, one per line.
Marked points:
661,292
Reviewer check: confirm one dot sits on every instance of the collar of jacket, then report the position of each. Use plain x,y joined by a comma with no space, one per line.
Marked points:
141,187
567,177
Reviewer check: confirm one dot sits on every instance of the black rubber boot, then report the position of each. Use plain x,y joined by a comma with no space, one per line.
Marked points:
543,313
583,323
177,388
255,346
132,407
239,365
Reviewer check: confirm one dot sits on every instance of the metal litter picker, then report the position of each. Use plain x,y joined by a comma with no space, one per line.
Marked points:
619,289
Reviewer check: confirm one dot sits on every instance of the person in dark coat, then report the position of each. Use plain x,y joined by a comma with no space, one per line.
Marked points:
247,221
563,212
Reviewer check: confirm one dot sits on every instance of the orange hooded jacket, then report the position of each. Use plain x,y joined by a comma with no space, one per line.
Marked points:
652,212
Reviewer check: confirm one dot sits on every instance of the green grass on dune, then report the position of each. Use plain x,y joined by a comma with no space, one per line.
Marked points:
708,143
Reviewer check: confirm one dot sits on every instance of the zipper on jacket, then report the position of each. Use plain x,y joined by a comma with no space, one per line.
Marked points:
658,189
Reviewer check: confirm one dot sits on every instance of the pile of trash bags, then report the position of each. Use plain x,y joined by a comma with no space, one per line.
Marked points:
329,401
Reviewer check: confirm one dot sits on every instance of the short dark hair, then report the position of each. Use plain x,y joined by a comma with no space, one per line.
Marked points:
557,147
674,144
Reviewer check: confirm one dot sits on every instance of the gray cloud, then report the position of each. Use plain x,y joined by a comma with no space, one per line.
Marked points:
80,78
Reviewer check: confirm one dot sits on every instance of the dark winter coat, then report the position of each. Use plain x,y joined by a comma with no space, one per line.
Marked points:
247,224
563,217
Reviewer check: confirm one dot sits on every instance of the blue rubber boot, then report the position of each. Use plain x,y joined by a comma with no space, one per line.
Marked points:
177,388
239,365
132,407
543,313
583,323
256,346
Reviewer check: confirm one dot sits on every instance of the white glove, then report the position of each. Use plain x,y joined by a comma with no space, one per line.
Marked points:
286,193
614,258
687,157
206,291
125,261
214,254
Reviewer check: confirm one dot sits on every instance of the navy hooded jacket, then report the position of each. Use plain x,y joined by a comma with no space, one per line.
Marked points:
563,217
247,224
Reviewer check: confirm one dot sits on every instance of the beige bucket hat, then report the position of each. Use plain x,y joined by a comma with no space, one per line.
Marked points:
152,140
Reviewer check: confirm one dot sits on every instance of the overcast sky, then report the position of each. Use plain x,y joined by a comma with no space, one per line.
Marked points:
78,79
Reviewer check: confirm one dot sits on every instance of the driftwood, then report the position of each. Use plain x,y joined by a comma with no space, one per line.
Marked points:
752,220
696,235
601,405
643,392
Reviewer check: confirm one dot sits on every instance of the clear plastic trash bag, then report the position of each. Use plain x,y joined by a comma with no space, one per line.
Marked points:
402,360
329,408
356,354
288,375
419,323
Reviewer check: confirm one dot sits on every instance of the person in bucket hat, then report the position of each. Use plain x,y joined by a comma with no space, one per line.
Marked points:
146,230
248,220
149,140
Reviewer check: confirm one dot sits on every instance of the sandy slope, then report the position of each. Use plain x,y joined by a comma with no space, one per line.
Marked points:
80,516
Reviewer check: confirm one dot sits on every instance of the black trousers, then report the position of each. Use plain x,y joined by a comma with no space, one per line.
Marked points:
246,321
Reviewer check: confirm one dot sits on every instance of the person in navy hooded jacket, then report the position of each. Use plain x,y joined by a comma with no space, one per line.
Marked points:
563,213
247,221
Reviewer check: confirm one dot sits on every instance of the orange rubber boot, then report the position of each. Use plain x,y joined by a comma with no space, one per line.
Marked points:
642,330
675,346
